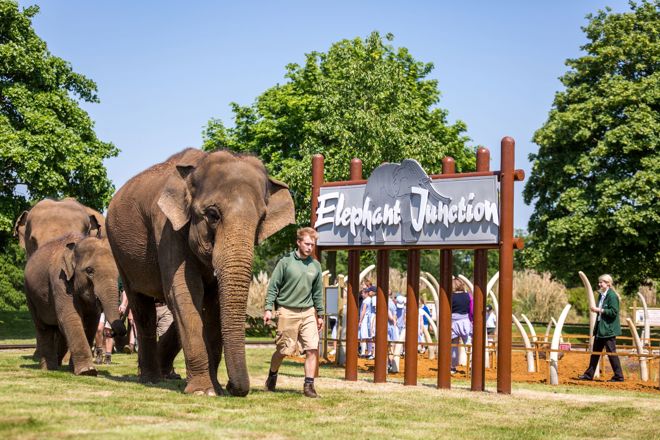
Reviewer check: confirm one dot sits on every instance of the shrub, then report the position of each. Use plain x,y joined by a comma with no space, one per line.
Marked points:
538,296
12,262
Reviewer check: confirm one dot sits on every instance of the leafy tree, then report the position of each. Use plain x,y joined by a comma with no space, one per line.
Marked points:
48,147
596,177
362,98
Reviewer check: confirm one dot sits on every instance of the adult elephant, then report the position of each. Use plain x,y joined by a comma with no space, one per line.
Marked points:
184,231
51,219
391,183
65,281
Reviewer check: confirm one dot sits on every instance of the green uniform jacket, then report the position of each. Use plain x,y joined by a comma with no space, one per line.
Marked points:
296,283
608,325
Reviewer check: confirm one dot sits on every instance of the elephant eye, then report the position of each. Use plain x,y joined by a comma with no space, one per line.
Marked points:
89,270
212,215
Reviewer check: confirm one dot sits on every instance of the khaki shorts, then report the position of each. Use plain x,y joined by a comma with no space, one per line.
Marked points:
296,325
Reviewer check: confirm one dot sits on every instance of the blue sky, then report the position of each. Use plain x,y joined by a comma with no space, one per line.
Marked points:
164,68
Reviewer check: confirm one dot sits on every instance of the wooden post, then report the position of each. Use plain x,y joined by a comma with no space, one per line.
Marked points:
506,266
382,293
412,317
317,181
444,340
352,313
480,278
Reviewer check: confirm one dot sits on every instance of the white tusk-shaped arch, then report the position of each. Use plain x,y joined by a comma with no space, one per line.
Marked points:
492,281
432,350
532,331
547,330
530,354
431,278
434,293
496,305
592,303
643,365
366,271
646,335
554,355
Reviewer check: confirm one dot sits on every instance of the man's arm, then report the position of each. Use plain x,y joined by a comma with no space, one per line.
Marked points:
273,289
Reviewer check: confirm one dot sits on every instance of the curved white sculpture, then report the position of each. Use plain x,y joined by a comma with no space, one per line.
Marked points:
531,368
492,281
427,336
554,355
643,365
366,271
592,315
434,293
646,334
431,278
547,329
532,331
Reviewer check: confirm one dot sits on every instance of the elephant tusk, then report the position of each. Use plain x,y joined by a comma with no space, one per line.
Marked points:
531,368
554,355
643,367
467,282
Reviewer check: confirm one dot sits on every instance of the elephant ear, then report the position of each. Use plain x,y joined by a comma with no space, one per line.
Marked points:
68,263
19,228
97,223
95,227
280,211
175,199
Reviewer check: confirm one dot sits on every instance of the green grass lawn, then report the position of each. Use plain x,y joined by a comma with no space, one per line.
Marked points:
38,404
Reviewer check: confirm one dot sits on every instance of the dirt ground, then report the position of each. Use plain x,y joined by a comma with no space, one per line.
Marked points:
570,367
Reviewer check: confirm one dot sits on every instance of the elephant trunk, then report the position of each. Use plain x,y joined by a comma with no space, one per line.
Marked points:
233,265
107,292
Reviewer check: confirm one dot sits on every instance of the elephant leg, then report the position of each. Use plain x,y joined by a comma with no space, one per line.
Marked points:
73,334
144,313
36,355
47,347
168,347
212,334
185,294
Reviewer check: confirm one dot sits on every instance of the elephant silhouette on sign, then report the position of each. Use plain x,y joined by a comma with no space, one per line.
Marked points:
391,182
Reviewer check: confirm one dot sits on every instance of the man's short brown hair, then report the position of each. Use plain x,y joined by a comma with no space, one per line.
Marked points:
311,232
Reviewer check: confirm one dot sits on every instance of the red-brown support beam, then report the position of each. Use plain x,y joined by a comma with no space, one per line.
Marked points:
412,318
382,293
444,340
317,181
506,266
352,297
480,277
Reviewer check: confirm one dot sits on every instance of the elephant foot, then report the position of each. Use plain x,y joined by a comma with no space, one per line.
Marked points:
201,387
231,389
87,371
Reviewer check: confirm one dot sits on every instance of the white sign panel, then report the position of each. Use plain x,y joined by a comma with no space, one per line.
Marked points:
400,205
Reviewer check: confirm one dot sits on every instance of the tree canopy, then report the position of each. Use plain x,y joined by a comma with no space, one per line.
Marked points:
595,180
362,98
48,147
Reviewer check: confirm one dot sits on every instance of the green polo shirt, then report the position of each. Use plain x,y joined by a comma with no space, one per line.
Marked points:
296,282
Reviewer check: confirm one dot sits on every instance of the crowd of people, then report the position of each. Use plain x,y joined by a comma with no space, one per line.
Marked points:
462,311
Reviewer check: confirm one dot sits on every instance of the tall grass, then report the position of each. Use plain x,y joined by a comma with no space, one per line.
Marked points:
538,296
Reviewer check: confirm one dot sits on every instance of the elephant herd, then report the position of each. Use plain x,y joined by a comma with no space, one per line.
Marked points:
181,232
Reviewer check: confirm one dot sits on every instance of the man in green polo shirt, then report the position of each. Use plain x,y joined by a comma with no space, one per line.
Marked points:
295,292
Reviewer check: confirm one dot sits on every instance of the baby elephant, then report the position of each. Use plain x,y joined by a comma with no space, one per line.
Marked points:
65,280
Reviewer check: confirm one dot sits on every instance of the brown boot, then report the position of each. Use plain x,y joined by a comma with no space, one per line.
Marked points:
107,360
98,356
309,391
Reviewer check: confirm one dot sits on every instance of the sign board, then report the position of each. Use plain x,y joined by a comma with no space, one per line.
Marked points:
331,305
400,205
654,317
565,346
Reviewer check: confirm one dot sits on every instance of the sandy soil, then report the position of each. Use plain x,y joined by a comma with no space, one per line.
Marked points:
570,367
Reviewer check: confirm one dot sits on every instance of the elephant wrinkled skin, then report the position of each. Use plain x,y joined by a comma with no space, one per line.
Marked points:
63,281
51,219
183,232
